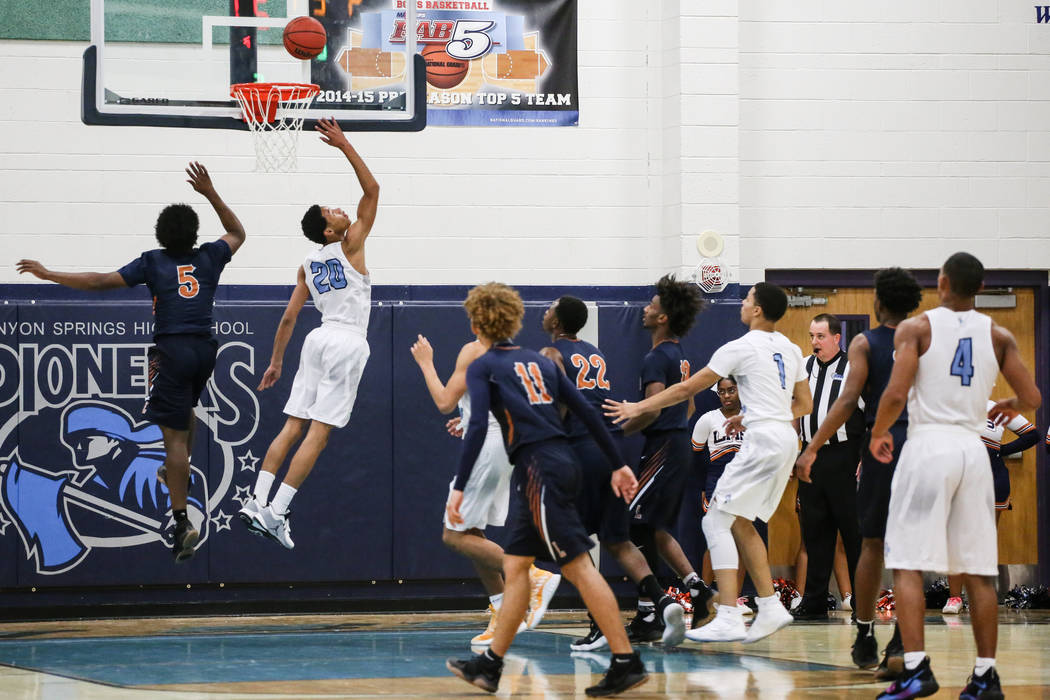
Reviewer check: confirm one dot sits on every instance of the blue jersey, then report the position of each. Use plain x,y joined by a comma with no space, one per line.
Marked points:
666,364
521,388
183,286
586,367
880,367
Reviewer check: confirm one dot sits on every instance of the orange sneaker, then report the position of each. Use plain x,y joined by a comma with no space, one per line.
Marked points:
543,584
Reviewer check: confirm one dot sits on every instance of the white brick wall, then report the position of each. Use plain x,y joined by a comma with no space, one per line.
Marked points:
810,134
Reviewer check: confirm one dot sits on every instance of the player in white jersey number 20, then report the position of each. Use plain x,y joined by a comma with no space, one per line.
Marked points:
942,503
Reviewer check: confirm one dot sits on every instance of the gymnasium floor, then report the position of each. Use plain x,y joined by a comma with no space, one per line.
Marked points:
402,655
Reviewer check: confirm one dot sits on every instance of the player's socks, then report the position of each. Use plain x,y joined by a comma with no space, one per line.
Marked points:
282,499
650,588
179,514
496,601
263,484
912,659
982,665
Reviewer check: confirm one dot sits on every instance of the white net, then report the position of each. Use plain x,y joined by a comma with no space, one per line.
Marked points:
711,275
275,114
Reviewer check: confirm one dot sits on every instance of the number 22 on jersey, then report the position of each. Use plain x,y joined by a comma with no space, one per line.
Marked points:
532,379
583,365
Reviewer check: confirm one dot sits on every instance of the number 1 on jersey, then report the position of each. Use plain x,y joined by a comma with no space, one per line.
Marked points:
779,359
962,363
532,379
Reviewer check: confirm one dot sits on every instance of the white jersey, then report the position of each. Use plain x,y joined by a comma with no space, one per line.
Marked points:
708,432
464,416
342,294
766,366
956,373
993,434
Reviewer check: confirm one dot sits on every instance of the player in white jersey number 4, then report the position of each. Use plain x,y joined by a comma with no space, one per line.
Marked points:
333,356
774,388
942,504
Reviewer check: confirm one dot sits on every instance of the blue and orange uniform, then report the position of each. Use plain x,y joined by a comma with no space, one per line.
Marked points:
601,511
873,486
713,449
522,389
183,354
664,464
992,435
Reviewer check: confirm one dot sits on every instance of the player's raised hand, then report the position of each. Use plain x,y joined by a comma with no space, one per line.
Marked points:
804,464
881,447
735,425
270,377
620,411
200,180
455,500
331,133
455,427
1003,411
32,267
624,485
421,351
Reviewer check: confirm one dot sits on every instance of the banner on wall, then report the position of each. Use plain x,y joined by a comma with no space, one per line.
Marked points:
489,62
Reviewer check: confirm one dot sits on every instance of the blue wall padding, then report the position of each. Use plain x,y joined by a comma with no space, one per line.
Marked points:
370,510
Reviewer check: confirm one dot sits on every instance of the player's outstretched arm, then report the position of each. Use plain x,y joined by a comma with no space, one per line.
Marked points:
200,181
88,281
445,396
1017,376
906,344
620,411
284,331
333,135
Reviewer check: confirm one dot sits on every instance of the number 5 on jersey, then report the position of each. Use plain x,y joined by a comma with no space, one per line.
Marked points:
188,285
532,379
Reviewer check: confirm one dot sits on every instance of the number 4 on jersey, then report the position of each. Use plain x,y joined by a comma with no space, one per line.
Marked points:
532,379
962,363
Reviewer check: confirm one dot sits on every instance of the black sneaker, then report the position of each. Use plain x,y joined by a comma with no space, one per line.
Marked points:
621,676
594,640
866,649
640,630
810,609
984,687
186,537
673,615
917,683
478,671
892,664
702,598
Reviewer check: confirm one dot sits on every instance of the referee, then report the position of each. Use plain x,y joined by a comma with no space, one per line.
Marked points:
828,502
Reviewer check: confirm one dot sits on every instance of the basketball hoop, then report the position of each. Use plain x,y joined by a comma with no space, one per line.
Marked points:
711,275
275,114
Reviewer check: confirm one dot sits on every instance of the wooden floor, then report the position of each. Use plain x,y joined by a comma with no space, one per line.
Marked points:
402,655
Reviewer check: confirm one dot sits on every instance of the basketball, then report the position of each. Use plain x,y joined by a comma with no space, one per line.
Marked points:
304,38
443,71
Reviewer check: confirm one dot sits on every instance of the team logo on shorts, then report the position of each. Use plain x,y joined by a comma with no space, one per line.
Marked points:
78,465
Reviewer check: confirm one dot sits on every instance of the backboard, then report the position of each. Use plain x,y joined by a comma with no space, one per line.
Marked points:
171,63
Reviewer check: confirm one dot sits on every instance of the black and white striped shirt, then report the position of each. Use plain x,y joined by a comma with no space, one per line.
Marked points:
825,382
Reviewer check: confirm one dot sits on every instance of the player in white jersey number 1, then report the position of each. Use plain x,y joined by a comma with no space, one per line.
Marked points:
774,388
942,504
333,356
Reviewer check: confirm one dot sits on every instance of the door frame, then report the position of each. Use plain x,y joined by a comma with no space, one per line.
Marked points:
1039,282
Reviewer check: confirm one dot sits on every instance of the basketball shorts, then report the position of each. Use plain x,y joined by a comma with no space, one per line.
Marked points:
331,363
543,519
179,368
487,493
752,484
873,486
714,473
661,473
601,511
1000,482
942,505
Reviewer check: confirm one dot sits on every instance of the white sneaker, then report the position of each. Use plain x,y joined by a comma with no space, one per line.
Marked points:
274,525
767,621
726,627
542,585
247,515
954,606
847,603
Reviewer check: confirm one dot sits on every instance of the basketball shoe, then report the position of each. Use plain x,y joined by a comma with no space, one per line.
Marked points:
865,650
594,639
485,638
646,626
673,616
728,626
247,515
769,619
186,537
623,674
542,585
275,526
479,670
954,606
916,683
984,687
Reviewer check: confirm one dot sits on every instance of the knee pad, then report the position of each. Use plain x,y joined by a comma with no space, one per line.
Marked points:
644,537
717,526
